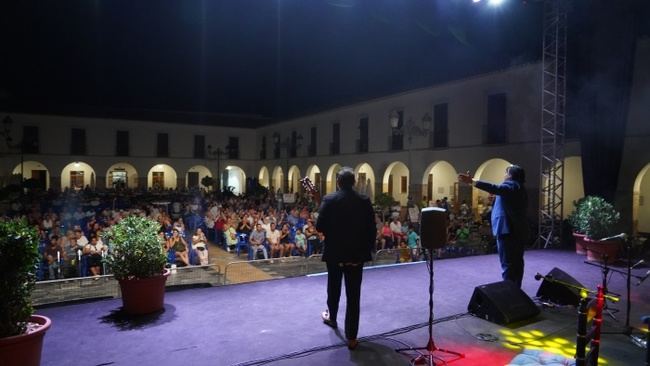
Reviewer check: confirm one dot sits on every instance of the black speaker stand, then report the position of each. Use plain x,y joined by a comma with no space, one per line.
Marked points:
428,357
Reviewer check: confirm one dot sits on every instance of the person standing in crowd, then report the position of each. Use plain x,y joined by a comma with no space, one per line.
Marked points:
346,219
508,219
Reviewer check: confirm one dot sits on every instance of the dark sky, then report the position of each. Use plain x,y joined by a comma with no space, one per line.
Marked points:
275,58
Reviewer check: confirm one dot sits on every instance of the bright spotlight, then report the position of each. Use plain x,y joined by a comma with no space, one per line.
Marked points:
495,2
476,1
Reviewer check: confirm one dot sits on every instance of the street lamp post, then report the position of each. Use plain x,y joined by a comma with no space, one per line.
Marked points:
410,129
288,144
7,122
216,154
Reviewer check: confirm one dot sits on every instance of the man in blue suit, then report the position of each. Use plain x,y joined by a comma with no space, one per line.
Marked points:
347,220
508,219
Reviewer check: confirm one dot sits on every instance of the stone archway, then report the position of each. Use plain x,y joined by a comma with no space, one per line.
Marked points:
396,182
365,177
34,170
162,176
641,201
77,175
122,175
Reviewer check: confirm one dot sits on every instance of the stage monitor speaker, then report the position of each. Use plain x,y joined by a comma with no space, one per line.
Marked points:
502,303
557,292
433,227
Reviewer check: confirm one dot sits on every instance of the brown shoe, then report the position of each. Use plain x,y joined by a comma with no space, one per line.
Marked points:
325,315
352,344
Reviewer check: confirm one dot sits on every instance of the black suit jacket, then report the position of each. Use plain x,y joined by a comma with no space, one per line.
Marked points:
347,220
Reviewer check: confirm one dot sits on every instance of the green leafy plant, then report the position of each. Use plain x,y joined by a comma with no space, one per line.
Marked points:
18,262
384,201
594,217
207,181
136,249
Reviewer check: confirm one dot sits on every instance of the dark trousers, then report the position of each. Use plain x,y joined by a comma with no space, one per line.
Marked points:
511,255
352,275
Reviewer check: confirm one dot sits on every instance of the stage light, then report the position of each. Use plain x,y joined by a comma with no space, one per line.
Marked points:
476,1
495,2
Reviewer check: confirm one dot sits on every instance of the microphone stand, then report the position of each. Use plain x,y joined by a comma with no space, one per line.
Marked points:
628,274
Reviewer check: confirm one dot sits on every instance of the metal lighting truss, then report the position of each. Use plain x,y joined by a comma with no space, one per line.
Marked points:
554,50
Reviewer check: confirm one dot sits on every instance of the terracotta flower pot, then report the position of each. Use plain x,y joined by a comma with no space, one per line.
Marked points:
144,296
25,349
581,246
602,251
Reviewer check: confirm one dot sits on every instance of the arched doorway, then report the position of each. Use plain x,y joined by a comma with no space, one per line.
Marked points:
493,170
573,184
34,170
195,175
641,208
277,178
365,178
122,175
294,177
263,177
331,178
236,178
440,180
396,182
162,176
77,175
314,174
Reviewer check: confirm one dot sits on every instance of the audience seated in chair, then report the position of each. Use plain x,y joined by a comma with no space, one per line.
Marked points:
256,242
199,242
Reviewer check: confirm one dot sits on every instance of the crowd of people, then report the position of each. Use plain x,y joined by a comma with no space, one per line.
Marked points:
71,223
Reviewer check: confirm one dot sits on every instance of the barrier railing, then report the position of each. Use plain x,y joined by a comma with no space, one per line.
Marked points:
98,287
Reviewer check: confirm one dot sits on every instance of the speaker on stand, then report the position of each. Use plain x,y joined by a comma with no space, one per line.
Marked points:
433,235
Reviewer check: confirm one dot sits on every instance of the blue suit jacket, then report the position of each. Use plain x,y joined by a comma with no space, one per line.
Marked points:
509,210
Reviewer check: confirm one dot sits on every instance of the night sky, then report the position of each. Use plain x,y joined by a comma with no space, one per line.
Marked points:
274,58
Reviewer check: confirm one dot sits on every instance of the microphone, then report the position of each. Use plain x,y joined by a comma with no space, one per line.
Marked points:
621,236
643,278
538,276
637,264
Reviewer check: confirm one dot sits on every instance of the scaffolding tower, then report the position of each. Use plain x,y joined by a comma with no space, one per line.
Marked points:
552,122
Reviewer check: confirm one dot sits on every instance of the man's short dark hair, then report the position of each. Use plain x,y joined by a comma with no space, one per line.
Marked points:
345,177
517,173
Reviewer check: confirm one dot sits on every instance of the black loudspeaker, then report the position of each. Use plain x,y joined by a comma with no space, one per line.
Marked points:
557,292
433,227
502,303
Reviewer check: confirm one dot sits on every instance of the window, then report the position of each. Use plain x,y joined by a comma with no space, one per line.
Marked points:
199,147
233,147
162,148
158,180
78,141
335,146
293,149
30,139
440,125
263,150
496,119
122,143
404,186
77,179
312,142
397,137
362,146
276,148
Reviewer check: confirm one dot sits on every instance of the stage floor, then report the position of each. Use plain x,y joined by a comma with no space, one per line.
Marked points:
252,324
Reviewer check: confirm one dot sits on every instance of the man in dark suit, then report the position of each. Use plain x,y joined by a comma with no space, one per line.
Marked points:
347,220
508,219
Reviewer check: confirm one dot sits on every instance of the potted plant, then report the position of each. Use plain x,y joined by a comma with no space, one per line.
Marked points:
21,332
137,259
597,219
576,220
